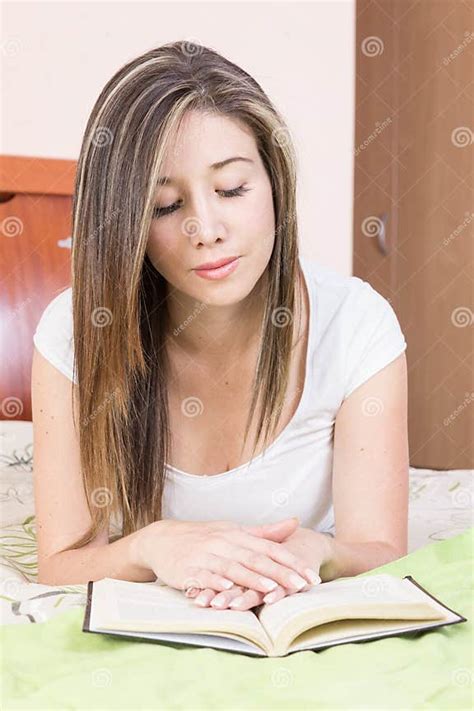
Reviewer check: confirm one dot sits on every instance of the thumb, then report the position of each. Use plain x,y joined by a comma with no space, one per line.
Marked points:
277,531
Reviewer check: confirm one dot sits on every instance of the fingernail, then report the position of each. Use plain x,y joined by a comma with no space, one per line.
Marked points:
269,584
228,584
271,597
217,603
201,600
312,577
297,582
236,601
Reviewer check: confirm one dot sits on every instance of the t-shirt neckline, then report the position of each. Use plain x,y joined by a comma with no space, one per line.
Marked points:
207,477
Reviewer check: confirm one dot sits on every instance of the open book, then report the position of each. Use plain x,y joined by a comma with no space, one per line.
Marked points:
340,611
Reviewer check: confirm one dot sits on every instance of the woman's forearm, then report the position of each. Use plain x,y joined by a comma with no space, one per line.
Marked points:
345,559
120,559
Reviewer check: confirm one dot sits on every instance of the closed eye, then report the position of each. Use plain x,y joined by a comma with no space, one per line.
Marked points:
235,192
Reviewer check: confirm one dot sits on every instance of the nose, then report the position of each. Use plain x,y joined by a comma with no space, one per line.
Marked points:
203,226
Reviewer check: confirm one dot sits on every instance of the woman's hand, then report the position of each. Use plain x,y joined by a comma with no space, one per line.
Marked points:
219,555
303,542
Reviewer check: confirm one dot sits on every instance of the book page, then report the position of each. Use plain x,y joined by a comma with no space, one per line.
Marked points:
216,640
344,631
381,596
150,607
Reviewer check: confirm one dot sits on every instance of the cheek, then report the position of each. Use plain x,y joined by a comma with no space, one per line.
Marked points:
161,246
263,221
263,216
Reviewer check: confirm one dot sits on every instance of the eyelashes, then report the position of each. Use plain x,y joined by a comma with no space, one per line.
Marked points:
235,192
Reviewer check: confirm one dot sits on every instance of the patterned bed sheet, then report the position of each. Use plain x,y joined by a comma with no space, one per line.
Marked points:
440,506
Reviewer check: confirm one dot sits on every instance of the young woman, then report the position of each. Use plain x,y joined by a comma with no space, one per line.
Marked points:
232,418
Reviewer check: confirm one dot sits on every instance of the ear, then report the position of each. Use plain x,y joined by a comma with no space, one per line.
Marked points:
277,531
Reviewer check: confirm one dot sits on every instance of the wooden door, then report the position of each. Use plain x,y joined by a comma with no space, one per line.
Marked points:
414,205
35,264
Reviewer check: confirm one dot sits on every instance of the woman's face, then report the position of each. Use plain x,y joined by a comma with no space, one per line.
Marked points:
206,221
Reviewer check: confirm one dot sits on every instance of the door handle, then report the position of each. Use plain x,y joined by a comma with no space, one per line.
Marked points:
382,234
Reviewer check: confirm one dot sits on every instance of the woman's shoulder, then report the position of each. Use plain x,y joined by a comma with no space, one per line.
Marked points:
57,313
330,278
358,331
339,295
53,336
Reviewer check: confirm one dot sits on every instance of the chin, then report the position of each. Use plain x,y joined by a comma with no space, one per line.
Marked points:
220,295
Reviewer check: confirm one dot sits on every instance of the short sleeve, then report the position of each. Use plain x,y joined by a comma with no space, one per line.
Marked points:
54,334
375,338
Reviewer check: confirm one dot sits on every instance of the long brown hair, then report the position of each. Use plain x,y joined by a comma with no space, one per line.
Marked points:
119,298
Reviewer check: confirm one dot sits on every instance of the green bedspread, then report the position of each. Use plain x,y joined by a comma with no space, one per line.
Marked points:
54,665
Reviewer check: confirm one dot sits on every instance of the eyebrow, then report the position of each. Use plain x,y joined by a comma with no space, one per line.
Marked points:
215,166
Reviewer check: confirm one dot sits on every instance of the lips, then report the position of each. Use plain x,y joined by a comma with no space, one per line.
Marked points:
215,265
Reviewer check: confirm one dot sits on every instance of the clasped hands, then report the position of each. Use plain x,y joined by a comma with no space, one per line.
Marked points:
306,543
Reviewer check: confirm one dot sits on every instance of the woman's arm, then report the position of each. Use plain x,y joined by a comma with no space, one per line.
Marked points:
370,475
60,504
110,560
346,559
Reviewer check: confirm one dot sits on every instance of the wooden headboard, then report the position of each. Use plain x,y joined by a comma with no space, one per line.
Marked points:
35,264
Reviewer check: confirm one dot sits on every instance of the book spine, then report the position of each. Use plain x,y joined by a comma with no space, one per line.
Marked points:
87,614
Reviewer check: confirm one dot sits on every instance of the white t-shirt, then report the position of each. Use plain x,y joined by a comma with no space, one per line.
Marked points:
353,333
